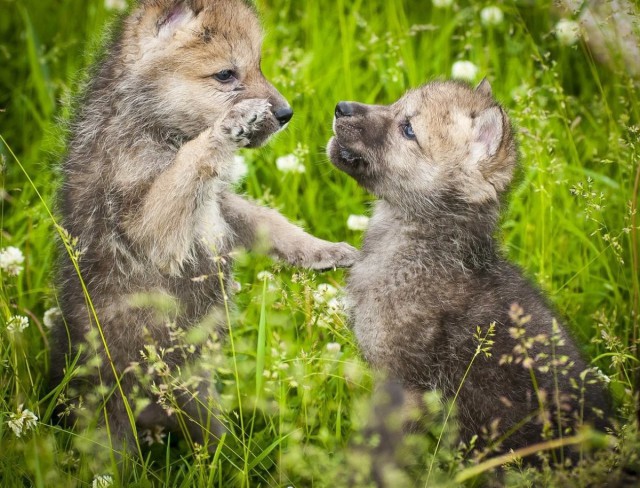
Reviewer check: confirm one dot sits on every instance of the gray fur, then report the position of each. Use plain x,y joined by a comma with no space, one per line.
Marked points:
431,271
147,194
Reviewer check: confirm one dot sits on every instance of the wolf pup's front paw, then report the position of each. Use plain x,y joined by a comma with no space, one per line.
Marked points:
333,255
244,119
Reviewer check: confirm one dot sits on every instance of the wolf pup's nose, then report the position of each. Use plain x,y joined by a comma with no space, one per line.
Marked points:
344,109
283,115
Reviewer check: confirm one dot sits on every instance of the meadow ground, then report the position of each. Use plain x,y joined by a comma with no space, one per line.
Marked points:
294,390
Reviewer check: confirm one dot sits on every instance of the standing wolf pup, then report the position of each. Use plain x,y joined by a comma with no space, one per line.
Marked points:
431,272
146,194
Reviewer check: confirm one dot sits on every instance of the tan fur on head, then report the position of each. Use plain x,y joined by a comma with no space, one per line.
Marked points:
175,49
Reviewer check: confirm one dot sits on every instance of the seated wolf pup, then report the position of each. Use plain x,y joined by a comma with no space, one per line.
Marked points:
147,203
431,272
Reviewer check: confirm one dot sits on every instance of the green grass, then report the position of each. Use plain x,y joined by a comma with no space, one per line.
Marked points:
568,223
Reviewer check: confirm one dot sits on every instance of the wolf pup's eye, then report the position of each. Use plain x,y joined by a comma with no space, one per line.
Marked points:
407,130
225,76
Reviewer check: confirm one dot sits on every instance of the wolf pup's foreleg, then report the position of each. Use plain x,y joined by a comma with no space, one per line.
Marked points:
254,226
165,222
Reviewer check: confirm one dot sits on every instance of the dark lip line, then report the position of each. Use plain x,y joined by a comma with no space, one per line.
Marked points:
347,154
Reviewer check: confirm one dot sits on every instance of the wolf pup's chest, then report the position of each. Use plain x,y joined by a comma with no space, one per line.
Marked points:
371,287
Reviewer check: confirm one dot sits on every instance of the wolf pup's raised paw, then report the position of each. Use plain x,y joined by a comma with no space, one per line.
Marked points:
244,119
324,256
338,255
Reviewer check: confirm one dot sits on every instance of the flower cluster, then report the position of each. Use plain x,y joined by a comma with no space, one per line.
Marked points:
265,275
358,222
102,481
22,421
567,32
115,4
442,3
11,259
491,16
464,70
51,316
333,347
17,323
290,164
239,169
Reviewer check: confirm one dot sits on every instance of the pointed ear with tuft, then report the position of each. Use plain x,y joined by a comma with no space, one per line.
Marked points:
484,88
487,133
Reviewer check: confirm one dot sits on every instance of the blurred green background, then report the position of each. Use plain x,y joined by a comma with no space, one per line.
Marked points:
568,221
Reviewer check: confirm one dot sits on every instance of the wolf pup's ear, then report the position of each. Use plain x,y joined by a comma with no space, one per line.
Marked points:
176,16
484,87
487,132
171,15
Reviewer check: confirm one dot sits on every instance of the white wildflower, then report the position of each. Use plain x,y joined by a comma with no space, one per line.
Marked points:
323,322
115,4
22,421
442,3
333,347
156,435
357,222
491,16
51,316
290,164
567,32
17,323
464,70
265,275
11,259
603,377
102,481
597,372
336,305
239,169
324,292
